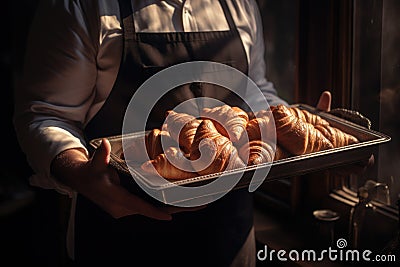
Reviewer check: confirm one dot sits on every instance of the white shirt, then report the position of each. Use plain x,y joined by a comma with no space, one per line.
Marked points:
69,73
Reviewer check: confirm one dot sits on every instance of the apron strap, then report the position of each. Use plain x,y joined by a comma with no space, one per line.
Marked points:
128,24
228,15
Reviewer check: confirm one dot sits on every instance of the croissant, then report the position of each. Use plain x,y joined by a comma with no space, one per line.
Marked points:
181,169
164,127
263,125
256,152
337,137
263,113
230,121
155,140
280,153
211,152
307,116
241,113
295,135
182,127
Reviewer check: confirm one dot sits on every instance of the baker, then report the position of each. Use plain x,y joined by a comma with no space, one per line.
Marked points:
84,62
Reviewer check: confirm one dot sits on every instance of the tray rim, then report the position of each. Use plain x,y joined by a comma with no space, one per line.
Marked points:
380,139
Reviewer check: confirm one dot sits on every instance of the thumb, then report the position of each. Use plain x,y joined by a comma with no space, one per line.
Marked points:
101,157
324,102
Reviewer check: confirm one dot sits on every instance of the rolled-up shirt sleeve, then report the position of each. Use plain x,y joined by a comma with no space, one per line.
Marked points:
57,87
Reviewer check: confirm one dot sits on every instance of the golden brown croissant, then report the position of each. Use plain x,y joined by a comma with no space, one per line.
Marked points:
337,137
241,113
182,128
211,152
263,113
295,135
280,153
256,152
263,125
163,167
230,122
155,141
307,116
251,114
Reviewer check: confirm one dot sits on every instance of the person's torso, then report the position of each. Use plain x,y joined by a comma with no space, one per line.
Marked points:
216,232
181,17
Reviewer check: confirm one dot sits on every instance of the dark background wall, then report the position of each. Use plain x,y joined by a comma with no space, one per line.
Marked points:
30,229
15,21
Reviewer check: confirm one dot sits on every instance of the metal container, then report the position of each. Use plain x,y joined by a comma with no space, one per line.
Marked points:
281,169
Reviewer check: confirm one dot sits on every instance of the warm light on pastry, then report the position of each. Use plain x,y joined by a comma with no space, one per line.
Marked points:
230,121
224,138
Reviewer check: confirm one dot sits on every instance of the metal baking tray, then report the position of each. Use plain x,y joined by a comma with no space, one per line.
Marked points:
280,169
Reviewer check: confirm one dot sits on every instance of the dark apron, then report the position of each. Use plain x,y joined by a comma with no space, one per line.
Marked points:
209,237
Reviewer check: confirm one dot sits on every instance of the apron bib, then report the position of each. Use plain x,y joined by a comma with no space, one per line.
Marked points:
209,237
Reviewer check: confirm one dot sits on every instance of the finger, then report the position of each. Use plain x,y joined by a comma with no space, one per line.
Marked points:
324,102
113,176
131,204
101,157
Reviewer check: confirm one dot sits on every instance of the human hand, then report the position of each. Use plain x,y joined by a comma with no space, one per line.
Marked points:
324,102
96,180
358,168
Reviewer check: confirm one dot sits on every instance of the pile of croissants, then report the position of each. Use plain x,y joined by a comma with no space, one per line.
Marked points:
225,138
